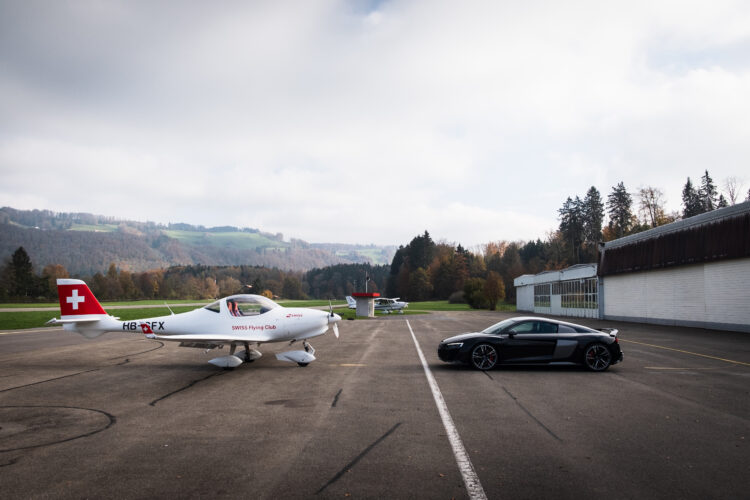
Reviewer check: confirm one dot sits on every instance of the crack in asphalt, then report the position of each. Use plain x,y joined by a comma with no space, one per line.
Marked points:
359,457
142,352
191,384
336,398
49,380
530,414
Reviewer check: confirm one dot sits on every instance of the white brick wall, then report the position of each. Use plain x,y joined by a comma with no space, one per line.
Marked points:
711,294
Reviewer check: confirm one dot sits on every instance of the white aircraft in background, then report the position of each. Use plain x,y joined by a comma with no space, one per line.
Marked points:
235,320
382,304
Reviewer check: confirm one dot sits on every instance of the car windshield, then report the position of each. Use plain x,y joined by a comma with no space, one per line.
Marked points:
498,327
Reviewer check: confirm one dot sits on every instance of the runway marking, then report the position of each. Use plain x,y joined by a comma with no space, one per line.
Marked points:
687,352
672,368
350,365
471,480
16,332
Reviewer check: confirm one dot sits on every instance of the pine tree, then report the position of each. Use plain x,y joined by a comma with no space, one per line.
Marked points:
572,226
620,210
593,217
23,283
708,193
691,201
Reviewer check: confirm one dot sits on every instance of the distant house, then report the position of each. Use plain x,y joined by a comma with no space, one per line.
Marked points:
693,272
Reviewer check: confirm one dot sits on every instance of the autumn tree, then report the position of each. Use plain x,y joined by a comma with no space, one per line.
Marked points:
733,187
474,293
494,290
651,206
51,273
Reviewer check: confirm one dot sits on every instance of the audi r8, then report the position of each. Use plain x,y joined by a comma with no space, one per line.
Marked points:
530,340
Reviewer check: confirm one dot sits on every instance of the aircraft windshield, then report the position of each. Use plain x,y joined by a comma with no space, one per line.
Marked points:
249,305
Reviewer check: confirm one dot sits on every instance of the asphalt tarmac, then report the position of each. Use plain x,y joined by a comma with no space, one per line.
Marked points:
125,417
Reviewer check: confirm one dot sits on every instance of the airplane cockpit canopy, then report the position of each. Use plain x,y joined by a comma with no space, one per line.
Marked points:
246,305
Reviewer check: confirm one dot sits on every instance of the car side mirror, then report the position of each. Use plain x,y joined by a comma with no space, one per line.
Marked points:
511,334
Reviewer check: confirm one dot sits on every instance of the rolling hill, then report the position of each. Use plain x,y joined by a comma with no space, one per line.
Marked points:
86,244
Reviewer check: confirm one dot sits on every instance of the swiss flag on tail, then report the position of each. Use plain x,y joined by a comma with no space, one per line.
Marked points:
76,299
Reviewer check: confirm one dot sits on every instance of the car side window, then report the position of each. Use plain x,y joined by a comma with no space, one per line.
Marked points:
525,327
545,327
565,329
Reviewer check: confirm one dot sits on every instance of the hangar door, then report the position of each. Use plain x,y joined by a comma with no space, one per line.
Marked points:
577,298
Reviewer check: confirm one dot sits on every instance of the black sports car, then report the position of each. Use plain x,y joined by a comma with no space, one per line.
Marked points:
528,340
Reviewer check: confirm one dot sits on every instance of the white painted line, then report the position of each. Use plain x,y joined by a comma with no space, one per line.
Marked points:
14,332
471,480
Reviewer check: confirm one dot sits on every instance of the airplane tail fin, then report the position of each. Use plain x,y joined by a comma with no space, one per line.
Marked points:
79,309
351,302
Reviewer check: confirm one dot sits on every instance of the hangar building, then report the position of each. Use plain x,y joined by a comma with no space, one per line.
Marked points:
693,272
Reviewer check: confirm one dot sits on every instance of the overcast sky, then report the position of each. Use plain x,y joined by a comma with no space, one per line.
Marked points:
367,121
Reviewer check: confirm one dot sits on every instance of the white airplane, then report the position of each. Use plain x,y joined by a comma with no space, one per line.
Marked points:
382,304
235,320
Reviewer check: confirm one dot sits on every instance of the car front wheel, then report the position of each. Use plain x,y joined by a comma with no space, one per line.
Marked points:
597,357
484,357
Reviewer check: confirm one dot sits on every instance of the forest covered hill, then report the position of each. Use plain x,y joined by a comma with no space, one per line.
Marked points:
86,244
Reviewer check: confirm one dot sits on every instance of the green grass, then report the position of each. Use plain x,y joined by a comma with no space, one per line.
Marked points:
36,319
107,304
309,303
444,305
351,313
240,240
101,228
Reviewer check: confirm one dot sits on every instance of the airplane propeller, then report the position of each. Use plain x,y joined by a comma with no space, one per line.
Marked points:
335,326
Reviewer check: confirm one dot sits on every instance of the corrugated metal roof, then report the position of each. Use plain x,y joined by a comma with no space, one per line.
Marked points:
680,225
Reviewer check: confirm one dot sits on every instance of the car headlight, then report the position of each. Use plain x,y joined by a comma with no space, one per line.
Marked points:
454,345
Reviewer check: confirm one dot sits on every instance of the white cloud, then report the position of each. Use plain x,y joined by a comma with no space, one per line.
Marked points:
474,120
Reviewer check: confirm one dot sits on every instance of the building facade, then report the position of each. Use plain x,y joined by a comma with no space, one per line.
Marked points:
693,272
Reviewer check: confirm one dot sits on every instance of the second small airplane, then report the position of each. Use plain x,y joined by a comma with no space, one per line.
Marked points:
383,304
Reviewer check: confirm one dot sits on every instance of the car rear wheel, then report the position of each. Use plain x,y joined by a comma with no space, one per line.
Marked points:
597,357
484,357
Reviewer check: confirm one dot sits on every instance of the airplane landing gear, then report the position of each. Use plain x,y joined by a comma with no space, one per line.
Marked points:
308,347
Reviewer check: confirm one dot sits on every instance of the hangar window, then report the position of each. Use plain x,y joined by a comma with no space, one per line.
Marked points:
580,294
542,295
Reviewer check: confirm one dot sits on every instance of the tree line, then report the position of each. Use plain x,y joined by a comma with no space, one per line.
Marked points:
420,270
582,220
19,281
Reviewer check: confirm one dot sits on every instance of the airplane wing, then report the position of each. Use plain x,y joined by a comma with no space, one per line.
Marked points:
214,338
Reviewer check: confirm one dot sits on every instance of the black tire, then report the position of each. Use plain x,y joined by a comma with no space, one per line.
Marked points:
484,357
303,364
597,357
